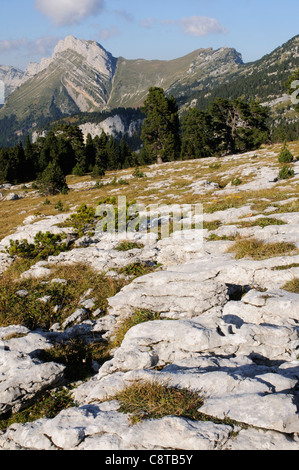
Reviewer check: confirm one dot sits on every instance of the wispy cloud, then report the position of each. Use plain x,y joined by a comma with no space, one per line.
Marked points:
202,26
13,44
41,46
192,26
69,12
106,33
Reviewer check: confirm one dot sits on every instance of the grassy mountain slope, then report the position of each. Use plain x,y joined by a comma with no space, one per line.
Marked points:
133,78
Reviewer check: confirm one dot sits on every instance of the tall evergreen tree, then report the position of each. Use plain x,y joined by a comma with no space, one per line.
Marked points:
112,154
160,129
198,139
238,126
100,142
125,155
90,152
30,159
52,180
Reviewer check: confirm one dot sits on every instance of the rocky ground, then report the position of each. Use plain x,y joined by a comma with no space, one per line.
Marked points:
227,325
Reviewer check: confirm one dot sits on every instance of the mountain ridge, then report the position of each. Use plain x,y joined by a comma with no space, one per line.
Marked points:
124,82
81,76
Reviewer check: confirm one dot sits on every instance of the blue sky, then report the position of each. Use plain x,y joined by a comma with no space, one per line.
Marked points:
157,29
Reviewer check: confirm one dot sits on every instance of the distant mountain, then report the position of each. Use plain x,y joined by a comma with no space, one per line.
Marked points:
81,76
12,78
262,80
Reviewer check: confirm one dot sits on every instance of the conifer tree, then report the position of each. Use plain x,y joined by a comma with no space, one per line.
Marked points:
30,159
100,142
160,129
112,154
90,152
52,180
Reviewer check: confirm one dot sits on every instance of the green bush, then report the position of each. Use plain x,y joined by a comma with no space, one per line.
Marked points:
137,269
48,406
138,173
45,245
127,246
236,181
286,172
285,155
82,221
52,180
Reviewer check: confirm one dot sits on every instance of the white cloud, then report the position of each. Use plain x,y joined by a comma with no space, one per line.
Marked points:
202,26
13,44
66,12
41,46
107,33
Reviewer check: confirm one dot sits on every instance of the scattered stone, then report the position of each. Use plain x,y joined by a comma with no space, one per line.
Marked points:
12,197
77,317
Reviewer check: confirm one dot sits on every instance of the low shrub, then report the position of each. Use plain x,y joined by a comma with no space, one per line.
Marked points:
45,245
128,245
83,221
137,269
77,356
285,155
236,181
286,172
138,173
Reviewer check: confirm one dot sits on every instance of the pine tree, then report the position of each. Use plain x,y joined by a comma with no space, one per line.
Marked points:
90,152
30,159
100,142
160,129
52,180
112,154
125,155
198,139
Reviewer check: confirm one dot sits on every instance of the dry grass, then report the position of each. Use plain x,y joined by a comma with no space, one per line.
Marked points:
153,400
292,286
33,313
258,250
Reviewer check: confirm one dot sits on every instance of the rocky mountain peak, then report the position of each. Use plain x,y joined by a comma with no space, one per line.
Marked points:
92,52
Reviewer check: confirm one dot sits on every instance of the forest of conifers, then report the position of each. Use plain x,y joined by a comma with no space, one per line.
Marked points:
227,126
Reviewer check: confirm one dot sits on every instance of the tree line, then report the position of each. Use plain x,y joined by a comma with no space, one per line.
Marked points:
227,126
